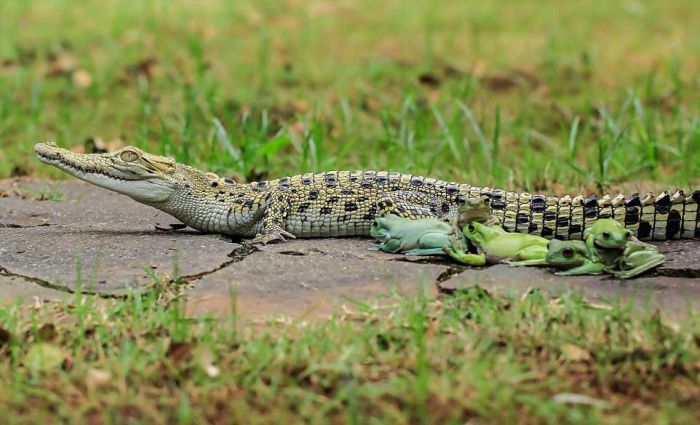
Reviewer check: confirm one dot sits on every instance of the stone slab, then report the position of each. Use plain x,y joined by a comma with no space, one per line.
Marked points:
113,240
99,239
16,289
309,279
673,295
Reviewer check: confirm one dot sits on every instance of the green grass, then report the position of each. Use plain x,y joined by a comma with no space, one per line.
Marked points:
522,97
538,95
467,357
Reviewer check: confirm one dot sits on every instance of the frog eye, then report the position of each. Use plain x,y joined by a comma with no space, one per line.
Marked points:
471,228
606,235
567,252
129,156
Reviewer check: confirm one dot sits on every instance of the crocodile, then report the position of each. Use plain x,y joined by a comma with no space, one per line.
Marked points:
345,203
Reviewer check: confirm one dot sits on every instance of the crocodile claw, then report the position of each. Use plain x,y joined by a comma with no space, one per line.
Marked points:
272,236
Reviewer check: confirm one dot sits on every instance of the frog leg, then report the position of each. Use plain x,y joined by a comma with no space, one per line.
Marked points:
589,267
425,251
626,274
530,256
533,262
391,246
431,244
466,258
457,252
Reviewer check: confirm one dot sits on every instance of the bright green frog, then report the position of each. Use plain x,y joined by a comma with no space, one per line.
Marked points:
494,244
609,247
572,256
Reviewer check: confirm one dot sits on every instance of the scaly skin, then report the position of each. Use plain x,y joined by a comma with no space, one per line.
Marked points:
344,203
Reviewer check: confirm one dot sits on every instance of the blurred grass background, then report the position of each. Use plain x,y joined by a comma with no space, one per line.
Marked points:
536,95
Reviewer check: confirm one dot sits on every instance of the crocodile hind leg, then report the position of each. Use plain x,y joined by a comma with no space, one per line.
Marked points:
273,218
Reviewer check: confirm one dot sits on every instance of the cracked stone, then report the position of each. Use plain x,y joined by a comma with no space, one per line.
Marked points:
102,240
15,289
675,296
312,282
114,240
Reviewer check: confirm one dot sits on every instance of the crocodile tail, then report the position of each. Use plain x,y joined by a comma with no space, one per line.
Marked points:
651,217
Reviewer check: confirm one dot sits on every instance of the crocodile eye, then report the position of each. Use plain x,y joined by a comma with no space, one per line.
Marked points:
129,156
606,235
567,252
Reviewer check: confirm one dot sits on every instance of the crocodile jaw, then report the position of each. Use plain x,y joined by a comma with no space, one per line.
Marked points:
105,171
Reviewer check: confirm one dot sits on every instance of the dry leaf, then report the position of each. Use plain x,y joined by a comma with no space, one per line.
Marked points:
499,83
60,64
575,353
205,359
97,378
94,145
147,67
370,104
5,335
179,352
300,105
82,78
428,79
571,398
297,128
47,332
433,96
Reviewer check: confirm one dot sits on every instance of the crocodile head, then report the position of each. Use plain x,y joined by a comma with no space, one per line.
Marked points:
144,177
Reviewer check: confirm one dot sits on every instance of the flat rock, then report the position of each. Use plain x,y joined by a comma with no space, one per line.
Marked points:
101,240
309,279
673,288
56,236
682,258
676,296
16,289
